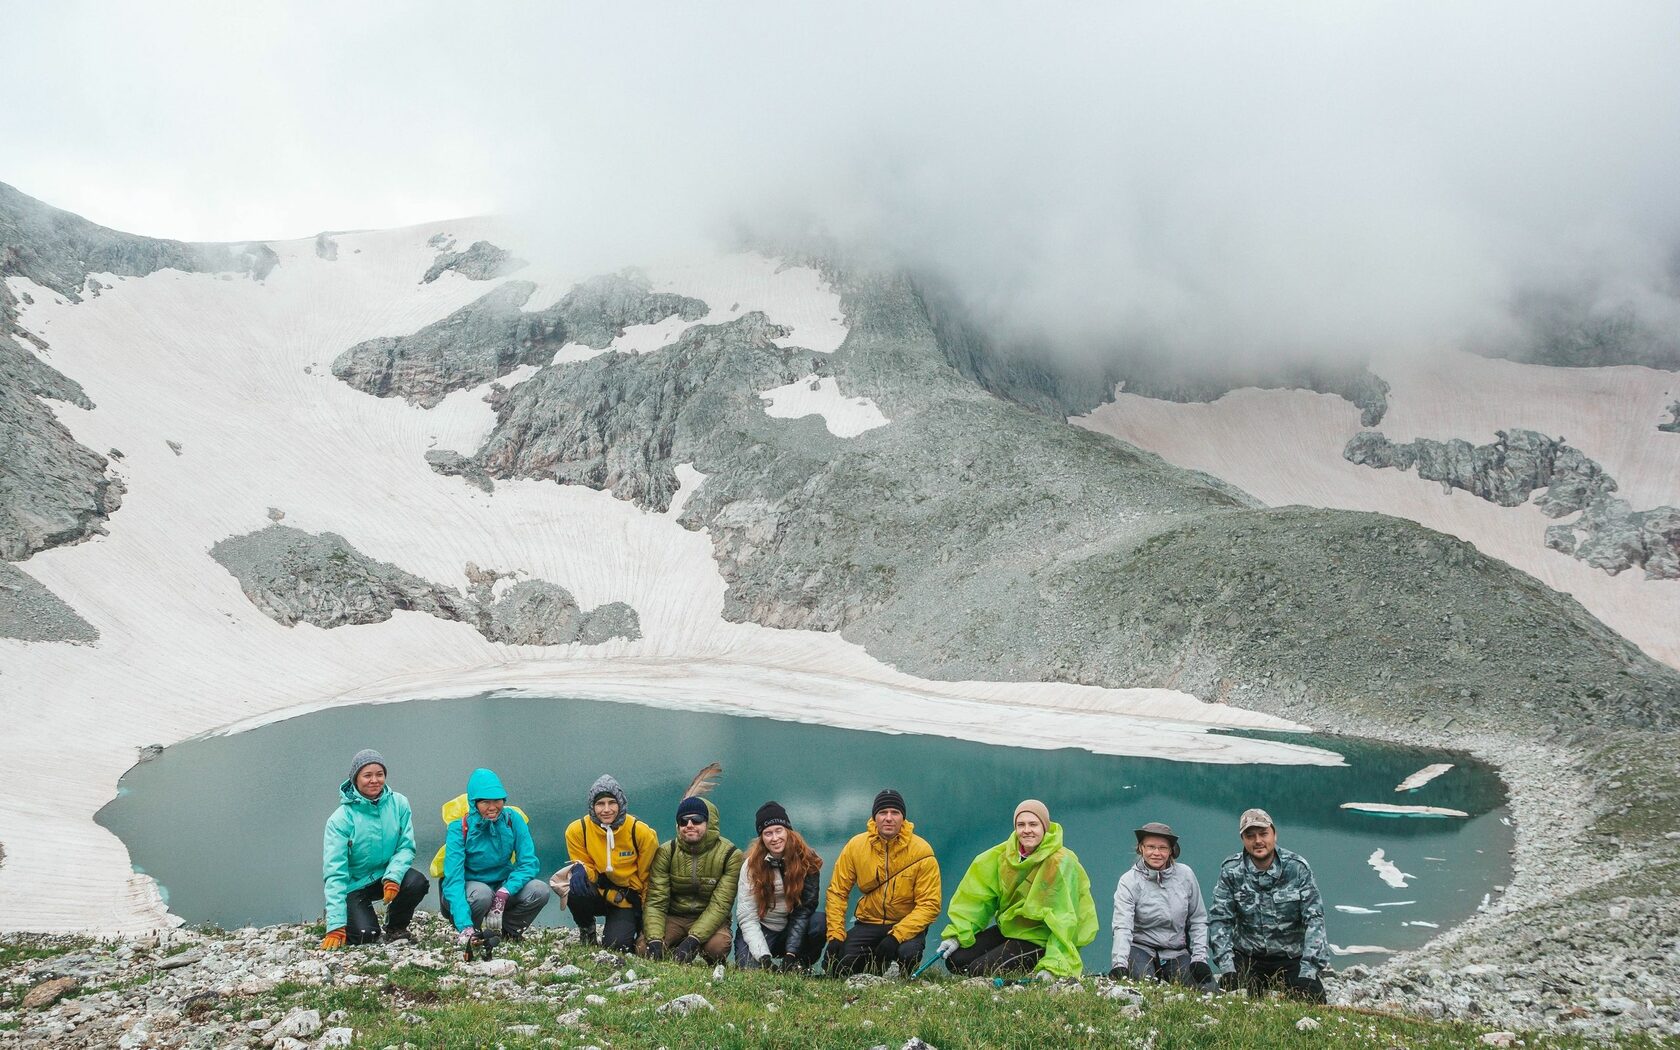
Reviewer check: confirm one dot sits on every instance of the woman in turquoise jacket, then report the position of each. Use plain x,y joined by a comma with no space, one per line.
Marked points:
366,855
490,865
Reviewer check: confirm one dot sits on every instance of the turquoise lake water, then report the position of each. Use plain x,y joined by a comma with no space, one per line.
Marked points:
230,826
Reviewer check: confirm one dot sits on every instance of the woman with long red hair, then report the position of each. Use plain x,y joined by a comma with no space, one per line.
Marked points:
777,918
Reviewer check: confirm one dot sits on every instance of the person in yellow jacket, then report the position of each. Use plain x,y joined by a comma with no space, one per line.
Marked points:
1025,904
897,877
612,853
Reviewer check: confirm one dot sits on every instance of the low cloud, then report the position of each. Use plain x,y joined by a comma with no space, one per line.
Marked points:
1211,179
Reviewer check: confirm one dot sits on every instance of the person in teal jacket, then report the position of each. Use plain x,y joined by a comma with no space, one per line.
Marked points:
367,855
490,865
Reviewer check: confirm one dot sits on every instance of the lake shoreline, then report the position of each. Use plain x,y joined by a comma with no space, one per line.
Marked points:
1507,963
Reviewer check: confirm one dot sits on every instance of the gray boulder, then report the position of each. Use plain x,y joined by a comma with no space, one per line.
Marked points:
1673,424
325,247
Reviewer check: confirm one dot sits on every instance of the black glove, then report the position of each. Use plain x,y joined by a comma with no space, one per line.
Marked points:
656,950
1119,973
791,964
1228,981
1201,972
833,952
685,951
891,944
764,962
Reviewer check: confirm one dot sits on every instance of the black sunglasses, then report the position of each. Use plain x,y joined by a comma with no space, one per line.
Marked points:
687,821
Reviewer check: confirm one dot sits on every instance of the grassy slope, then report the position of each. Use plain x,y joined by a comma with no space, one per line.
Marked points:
433,1008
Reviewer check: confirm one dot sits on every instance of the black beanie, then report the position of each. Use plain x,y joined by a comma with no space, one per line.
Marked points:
693,806
771,815
888,799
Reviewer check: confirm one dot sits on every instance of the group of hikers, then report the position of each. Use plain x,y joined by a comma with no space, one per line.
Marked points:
1022,907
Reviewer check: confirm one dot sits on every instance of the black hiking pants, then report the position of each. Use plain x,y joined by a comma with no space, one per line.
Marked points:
361,925
868,947
1260,973
993,953
621,929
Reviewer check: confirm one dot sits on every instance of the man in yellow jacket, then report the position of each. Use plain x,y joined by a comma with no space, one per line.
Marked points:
897,876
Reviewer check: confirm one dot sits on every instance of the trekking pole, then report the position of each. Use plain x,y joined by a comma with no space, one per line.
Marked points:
937,957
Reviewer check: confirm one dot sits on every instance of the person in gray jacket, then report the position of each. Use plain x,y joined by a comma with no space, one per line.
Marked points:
1266,926
1160,925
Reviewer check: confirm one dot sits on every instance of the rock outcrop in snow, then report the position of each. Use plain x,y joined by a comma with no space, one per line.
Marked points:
300,577
493,335
1609,534
482,261
295,576
1673,424
622,422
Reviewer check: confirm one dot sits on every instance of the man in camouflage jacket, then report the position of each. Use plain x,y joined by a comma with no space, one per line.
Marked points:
1266,925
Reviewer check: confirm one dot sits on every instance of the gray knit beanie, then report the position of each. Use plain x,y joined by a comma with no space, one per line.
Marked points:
367,756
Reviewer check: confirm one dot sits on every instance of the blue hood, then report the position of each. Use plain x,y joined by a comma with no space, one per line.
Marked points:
484,784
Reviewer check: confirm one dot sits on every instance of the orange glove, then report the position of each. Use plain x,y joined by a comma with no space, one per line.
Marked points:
390,891
333,939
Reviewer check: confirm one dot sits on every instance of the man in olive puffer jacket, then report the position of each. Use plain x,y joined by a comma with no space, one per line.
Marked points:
691,889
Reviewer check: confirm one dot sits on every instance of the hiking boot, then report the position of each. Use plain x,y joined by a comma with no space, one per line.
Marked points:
399,933
513,935
588,936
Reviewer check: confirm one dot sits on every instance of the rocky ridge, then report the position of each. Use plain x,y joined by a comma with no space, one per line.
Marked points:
493,335
1609,534
1673,424
54,490
295,576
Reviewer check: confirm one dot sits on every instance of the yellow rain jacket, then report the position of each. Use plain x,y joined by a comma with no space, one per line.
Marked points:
898,879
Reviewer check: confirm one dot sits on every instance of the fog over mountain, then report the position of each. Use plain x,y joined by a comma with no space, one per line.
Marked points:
1203,178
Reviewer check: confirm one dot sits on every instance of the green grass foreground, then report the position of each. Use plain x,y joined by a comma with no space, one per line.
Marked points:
444,1007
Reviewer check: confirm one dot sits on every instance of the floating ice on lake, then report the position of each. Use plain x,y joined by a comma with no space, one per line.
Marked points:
1384,809
1390,874
1423,776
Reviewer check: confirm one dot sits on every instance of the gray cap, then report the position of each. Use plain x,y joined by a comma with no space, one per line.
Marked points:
1254,818
367,756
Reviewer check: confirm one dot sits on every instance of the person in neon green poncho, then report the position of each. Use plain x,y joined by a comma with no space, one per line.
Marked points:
1024,904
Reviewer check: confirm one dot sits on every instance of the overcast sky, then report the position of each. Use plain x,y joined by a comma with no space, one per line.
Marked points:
1308,174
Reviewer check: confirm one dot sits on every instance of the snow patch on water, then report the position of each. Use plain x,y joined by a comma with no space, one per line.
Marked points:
1384,809
1423,776
1386,869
